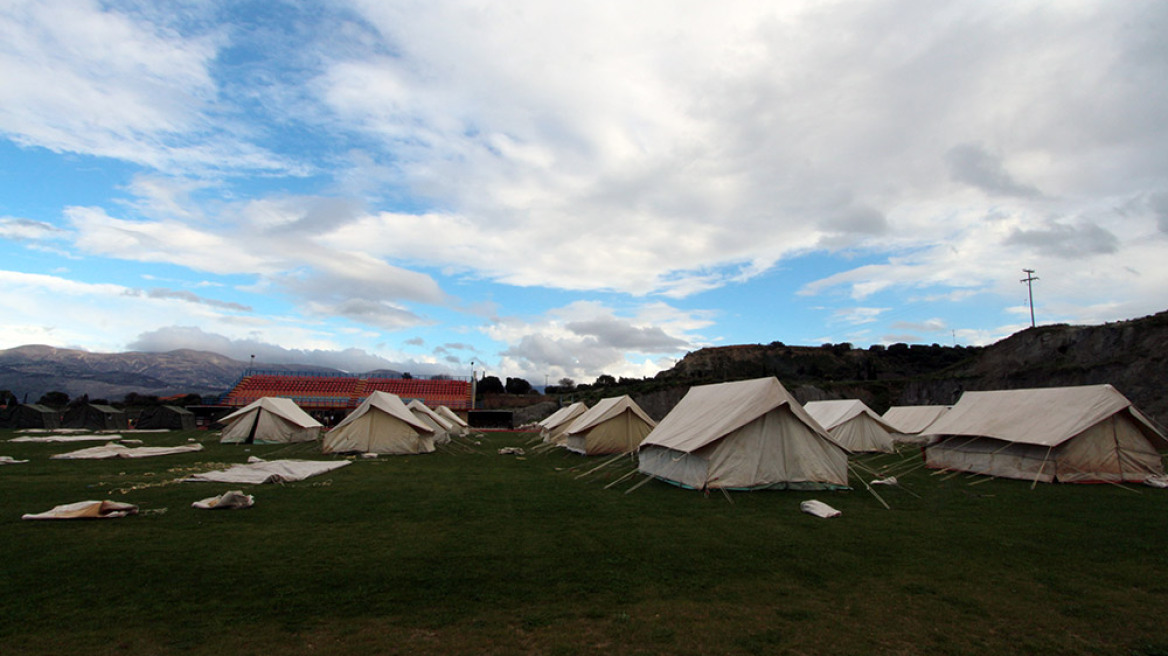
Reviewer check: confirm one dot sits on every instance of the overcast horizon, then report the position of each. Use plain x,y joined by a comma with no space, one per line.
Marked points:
542,191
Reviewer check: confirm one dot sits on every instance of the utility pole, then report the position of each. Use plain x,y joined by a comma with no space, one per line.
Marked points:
1029,280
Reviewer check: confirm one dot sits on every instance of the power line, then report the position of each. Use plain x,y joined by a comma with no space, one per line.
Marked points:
1029,280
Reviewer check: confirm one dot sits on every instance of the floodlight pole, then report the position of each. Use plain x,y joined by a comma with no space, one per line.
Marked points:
1029,280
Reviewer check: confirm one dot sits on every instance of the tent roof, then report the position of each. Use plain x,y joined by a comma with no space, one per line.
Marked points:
913,418
418,406
606,409
1045,417
390,404
280,406
565,413
451,416
830,414
708,413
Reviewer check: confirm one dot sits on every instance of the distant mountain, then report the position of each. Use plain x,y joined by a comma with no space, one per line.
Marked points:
31,371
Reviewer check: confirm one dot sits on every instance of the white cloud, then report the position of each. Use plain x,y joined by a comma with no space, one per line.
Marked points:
119,87
586,338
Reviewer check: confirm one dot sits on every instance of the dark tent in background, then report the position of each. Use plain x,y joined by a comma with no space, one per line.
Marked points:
170,417
30,415
91,416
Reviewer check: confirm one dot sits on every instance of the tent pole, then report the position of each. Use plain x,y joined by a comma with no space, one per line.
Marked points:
639,484
1041,467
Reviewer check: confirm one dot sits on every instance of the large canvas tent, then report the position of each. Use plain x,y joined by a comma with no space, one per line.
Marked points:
170,417
910,421
381,424
853,424
269,420
31,415
1081,434
552,428
743,435
95,416
613,425
443,429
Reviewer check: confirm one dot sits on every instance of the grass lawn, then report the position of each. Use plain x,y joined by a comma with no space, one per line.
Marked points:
466,551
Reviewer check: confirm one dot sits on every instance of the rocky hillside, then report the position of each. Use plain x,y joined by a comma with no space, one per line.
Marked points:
1130,355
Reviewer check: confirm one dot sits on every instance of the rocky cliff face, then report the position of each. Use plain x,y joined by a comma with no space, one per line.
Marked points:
1130,355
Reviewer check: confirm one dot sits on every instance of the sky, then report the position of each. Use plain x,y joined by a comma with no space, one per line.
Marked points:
563,190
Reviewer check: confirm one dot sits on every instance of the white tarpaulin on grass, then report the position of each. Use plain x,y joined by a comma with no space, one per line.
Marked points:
86,510
275,471
112,450
230,500
67,438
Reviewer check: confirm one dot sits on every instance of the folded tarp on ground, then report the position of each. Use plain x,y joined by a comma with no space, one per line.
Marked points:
275,471
86,510
68,438
121,451
230,500
819,509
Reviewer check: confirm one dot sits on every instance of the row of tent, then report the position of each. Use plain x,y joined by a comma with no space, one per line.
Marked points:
382,424
94,416
754,434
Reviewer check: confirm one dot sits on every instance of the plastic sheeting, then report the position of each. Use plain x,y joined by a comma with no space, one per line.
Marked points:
112,450
86,510
275,471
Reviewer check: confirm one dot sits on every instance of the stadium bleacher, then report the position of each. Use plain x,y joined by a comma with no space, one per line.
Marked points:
327,392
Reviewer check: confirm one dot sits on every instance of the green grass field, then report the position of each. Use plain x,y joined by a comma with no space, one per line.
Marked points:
466,551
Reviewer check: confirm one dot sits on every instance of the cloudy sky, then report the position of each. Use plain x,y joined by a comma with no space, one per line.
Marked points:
572,189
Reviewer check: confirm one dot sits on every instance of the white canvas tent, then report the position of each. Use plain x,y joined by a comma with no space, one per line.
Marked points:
743,435
552,428
853,424
270,420
381,424
442,428
460,425
910,421
614,425
1081,434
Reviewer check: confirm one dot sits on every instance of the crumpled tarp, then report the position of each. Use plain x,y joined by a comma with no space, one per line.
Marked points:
86,510
112,450
230,500
275,471
819,509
